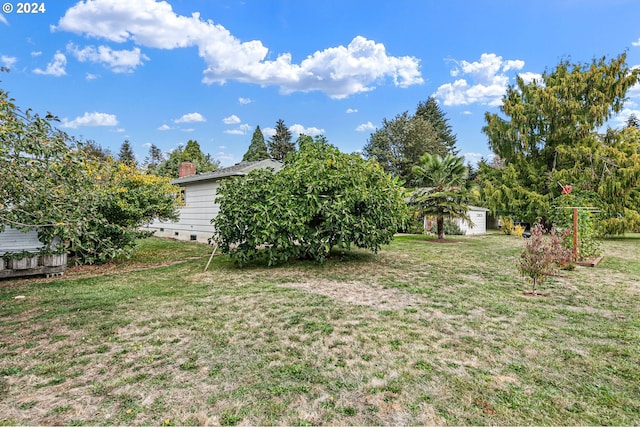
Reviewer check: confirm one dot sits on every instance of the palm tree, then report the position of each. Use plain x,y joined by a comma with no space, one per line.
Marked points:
442,191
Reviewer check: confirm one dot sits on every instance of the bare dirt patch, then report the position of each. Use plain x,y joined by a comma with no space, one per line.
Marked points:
360,294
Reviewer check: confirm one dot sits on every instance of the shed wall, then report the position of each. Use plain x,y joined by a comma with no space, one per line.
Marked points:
479,219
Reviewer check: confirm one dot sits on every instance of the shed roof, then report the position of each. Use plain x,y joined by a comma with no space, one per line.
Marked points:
238,169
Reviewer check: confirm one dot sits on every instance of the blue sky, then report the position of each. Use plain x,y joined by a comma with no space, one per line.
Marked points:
164,72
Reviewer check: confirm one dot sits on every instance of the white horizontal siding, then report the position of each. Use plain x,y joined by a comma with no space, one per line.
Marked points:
12,240
195,216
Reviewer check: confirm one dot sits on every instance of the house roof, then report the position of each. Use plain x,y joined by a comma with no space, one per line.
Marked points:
238,169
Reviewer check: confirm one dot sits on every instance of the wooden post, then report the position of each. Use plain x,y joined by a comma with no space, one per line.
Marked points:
575,234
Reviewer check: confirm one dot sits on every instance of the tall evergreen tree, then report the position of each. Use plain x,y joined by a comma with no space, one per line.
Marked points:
126,155
431,112
257,149
547,136
280,144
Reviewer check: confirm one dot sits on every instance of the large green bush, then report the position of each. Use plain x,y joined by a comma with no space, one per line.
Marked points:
321,199
50,184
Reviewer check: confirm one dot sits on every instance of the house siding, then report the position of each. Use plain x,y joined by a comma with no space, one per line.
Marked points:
195,216
200,207
12,240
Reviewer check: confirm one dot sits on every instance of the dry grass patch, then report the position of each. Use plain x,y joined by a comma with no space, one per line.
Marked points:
420,334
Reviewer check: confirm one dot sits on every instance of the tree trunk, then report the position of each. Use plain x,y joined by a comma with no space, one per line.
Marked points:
440,227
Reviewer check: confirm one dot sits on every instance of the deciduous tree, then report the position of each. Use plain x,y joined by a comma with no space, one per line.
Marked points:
321,199
190,153
400,143
52,185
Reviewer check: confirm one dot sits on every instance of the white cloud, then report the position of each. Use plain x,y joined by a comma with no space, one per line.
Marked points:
268,132
164,127
35,54
191,118
187,130
619,121
351,110
297,129
241,130
530,77
634,92
364,127
8,61
90,76
231,120
636,43
3,19
337,71
55,67
120,61
488,84
91,120
245,101
474,158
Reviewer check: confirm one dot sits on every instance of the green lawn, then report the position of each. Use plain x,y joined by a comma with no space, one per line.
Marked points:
422,333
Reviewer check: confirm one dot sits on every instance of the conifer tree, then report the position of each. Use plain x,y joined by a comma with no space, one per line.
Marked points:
126,155
431,112
280,144
257,149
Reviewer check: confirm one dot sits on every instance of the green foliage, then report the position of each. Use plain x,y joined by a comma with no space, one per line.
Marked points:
257,149
126,155
52,185
95,151
280,144
190,153
450,228
562,217
549,136
431,112
443,192
127,200
46,185
507,226
154,159
321,199
400,143
542,255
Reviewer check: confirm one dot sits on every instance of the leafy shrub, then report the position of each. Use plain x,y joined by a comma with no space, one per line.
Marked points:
518,230
562,217
507,226
50,184
450,228
543,255
321,199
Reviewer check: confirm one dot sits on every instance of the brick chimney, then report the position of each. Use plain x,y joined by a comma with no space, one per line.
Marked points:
186,169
